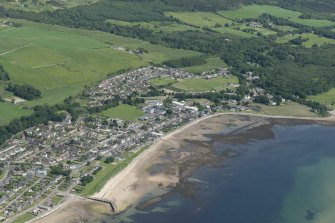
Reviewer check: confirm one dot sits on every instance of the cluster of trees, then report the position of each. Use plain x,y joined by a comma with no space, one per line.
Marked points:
109,159
215,97
133,100
4,76
298,41
25,91
153,92
86,179
262,99
185,62
111,103
59,170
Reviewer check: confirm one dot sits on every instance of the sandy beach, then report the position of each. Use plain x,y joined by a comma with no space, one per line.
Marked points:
140,180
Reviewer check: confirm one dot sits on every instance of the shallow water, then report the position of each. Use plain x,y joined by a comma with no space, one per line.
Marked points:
288,178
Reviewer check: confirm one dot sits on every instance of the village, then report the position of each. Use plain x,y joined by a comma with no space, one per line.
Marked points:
51,160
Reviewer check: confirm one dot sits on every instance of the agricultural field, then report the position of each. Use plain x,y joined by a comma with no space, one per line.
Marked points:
9,111
200,19
262,30
325,98
61,61
124,112
311,39
43,5
313,22
212,63
284,28
200,85
287,108
254,11
208,20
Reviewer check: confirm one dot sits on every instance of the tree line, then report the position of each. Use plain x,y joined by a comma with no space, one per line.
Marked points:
24,91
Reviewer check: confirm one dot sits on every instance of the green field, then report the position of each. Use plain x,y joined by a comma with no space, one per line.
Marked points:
313,22
284,28
199,85
107,172
57,63
325,98
43,5
312,39
61,61
264,31
9,111
287,109
208,20
159,82
24,218
212,63
124,112
201,19
254,11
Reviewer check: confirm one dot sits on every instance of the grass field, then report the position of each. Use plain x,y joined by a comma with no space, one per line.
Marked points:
264,31
156,53
313,22
159,82
287,109
212,63
43,5
9,111
325,98
285,28
209,20
312,39
107,172
201,19
57,63
61,61
124,112
254,11
24,218
199,85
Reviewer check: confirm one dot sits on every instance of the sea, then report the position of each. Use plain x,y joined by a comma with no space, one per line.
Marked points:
287,178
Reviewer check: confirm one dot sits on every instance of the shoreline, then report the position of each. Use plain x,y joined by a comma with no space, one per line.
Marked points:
129,176
118,179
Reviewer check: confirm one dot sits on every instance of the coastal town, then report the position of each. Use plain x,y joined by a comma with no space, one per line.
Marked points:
44,164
